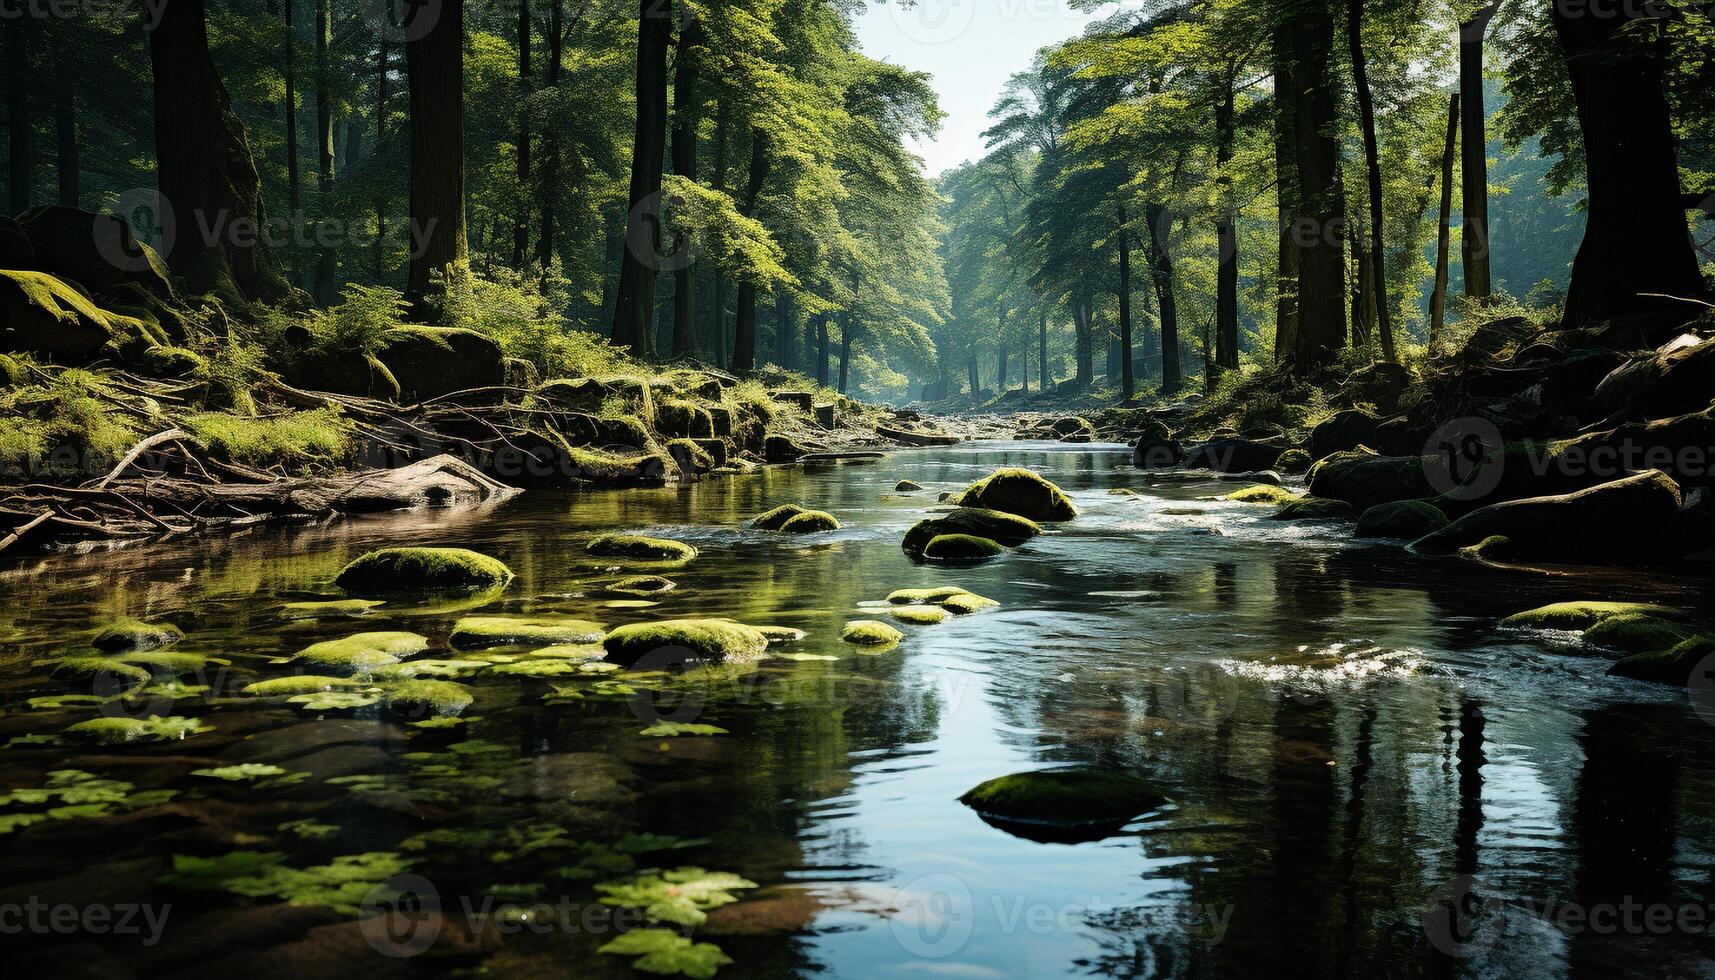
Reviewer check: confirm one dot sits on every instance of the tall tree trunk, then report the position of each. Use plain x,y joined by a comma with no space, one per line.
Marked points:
685,165
1024,368
66,149
204,166
744,318
1127,383
1377,284
435,66
822,350
549,184
1286,193
1321,329
294,195
1161,274
974,373
1083,343
723,133
1042,349
521,222
383,66
1635,238
634,306
1363,309
1474,243
18,126
1443,231
1000,368
785,329
848,329
1226,235
324,148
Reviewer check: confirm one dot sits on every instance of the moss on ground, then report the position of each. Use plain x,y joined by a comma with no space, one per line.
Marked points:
393,570
295,440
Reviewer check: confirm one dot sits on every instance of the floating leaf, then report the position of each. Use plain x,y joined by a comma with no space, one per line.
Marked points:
673,729
442,721
336,700
665,952
681,896
540,668
308,829
241,773
55,702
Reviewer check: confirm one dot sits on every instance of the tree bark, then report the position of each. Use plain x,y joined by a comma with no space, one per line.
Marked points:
1161,274
691,36
204,167
1227,239
521,161
66,150
1127,383
324,148
1316,232
822,350
18,126
1363,311
1443,231
435,64
382,65
974,374
1474,164
294,195
722,137
1377,283
1042,350
848,328
634,305
744,317
1083,343
1286,194
1636,241
549,183
785,329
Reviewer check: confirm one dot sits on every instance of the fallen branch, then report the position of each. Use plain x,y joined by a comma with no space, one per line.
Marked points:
138,450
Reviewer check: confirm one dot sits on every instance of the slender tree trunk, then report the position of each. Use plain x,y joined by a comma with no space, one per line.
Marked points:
1377,284
294,196
383,66
1474,243
1316,231
18,126
1042,350
1443,232
1083,329
785,329
634,306
1636,247
723,132
848,329
1024,368
521,223
204,166
822,350
324,148
744,317
1226,236
1001,372
685,115
435,66
975,374
1363,310
1128,388
1161,273
549,185
1286,194
66,149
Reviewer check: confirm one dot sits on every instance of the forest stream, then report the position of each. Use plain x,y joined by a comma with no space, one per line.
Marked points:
1364,775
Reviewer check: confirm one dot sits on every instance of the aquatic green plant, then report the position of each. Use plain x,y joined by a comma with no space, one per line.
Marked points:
674,729
342,884
665,952
337,700
682,896
71,794
242,772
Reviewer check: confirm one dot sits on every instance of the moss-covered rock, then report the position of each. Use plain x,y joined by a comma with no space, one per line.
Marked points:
781,449
1636,519
170,663
1408,519
907,486
1681,665
695,639
966,603
636,547
477,632
121,731
1364,479
1232,456
920,615
690,456
678,418
427,362
810,522
330,607
961,548
99,671
285,687
402,570
361,653
1262,493
1495,548
40,314
920,597
1635,633
1062,804
134,634
776,519
1293,461
870,633
1314,509
1579,615
780,634
1019,491
641,585
1006,529
427,697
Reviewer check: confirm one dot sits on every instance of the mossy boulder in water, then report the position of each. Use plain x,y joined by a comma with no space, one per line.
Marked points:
286,687
810,522
120,731
1314,509
920,615
1684,664
907,486
427,697
918,597
775,519
360,653
1262,493
1062,804
1635,633
399,570
133,634
636,547
1365,479
475,632
961,548
682,639
1408,519
1232,456
870,633
1496,547
100,671
966,603
1006,529
1293,461
1580,615
1627,521
1021,492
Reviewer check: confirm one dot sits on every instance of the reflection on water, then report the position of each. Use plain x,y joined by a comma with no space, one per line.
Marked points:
1345,740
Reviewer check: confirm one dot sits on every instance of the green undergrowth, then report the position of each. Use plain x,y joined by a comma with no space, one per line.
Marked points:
292,440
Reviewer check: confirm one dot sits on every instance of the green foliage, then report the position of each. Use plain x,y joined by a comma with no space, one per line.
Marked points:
344,884
295,440
665,952
682,896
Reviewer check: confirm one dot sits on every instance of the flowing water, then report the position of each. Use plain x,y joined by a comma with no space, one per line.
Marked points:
1346,739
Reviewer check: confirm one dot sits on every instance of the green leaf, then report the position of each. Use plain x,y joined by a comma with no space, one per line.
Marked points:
673,729
240,773
664,952
680,896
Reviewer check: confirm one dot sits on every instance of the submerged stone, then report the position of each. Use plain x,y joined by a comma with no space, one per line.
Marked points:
1497,547
1635,633
1314,509
776,519
640,585
1262,493
810,522
870,633
475,632
966,603
163,662
639,548
427,697
1408,519
118,731
100,671
1684,664
679,639
1006,529
393,570
331,607
1062,804
1019,491
920,615
285,687
134,634
907,486
780,634
961,548
361,653
917,597
1293,461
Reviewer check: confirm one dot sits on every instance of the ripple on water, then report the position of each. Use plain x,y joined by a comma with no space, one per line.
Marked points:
1344,664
